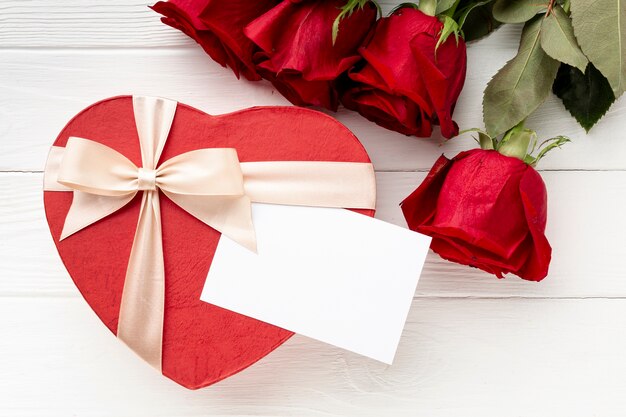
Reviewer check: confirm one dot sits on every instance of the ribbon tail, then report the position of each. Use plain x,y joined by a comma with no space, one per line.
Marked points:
229,215
86,209
153,117
140,323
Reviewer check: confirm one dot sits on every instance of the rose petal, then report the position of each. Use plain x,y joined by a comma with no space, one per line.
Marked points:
420,206
218,27
298,55
459,253
480,200
387,110
443,88
299,91
534,199
298,36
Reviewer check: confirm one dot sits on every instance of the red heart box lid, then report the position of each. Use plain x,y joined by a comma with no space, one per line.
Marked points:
202,343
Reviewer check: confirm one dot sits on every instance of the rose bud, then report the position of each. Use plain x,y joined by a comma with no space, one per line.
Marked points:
487,207
217,25
298,54
407,83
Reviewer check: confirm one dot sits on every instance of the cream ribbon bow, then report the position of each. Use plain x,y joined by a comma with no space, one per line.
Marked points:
210,184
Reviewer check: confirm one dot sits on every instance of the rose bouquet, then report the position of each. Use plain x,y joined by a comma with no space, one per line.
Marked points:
396,71
404,71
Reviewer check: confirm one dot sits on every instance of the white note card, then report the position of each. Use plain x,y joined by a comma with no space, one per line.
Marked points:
330,274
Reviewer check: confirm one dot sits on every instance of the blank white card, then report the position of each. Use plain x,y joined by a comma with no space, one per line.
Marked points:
329,274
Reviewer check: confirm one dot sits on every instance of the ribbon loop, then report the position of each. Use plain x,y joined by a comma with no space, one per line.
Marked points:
96,169
208,172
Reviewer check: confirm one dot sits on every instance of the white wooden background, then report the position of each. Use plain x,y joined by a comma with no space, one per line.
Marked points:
473,345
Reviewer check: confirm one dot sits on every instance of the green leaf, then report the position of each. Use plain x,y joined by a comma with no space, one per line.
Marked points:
462,16
558,40
428,7
600,27
443,5
520,87
478,22
586,96
517,11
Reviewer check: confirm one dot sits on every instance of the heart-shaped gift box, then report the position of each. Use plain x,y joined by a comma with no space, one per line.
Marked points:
202,343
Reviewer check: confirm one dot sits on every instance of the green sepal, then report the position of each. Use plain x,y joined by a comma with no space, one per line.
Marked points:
347,10
545,147
450,26
518,142
485,141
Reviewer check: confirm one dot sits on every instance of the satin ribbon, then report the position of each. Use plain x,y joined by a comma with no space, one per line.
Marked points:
210,184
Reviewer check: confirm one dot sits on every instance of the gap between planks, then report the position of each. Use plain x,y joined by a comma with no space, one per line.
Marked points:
584,265
21,294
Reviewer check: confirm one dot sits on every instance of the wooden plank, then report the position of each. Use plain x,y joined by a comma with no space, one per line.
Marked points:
92,23
80,23
42,89
585,228
457,357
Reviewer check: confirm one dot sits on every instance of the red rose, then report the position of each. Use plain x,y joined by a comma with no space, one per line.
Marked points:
217,25
298,55
485,210
404,84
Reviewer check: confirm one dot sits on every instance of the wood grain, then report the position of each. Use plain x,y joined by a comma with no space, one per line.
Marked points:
93,23
585,228
42,89
457,357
